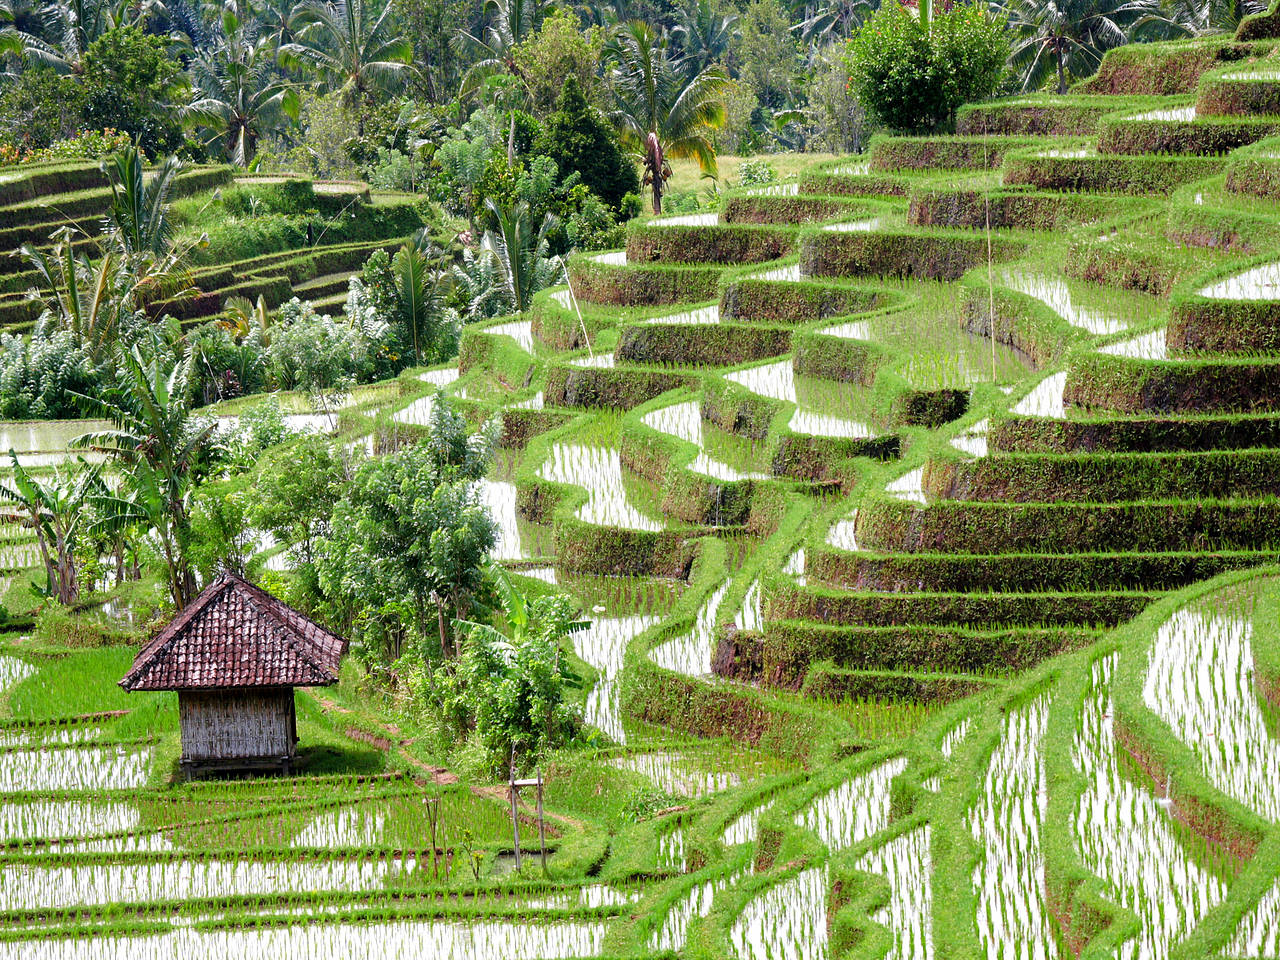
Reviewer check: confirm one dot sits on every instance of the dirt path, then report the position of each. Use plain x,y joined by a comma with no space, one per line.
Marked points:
390,742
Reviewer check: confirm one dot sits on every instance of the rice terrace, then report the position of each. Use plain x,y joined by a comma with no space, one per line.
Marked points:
438,518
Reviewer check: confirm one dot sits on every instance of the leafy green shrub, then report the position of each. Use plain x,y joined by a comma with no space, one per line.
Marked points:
59,627
912,75
220,536
134,86
39,377
507,690
38,108
406,544
227,367
393,170
754,172
313,352
87,145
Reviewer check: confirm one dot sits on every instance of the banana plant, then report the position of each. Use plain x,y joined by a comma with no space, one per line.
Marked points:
56,509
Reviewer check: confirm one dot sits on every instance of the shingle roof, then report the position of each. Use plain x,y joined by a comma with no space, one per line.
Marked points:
237,635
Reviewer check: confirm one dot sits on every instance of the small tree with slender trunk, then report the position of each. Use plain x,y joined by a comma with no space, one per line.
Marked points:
661,111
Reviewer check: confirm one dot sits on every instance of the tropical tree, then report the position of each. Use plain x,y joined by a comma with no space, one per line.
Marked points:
661,111
1202,17
138,218
521,252
160,447
479,285
511,22
419,293
1068,38
280,21
705,34
833,21
71,26
56,508
508,688
408,541
93,301
354,47
238,93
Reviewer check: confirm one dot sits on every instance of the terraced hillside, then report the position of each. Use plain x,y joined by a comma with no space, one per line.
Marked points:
306,239
925,511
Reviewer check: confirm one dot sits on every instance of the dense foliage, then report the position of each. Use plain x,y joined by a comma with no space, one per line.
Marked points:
912,74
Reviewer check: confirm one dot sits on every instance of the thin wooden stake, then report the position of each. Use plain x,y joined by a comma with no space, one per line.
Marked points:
515,812
542,825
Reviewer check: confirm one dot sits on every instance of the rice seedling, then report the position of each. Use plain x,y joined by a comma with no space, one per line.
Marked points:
1056,295
1258,933
688,220
74,768
521,331
400,940
1045,400
844,532
1200,681
787,922
855,810
1125,837
674,932
500,498
1007,824
684,421
905,862
1257,283
746,827
604,645
671,849
701,316
49,819
598,470
676,773
690,653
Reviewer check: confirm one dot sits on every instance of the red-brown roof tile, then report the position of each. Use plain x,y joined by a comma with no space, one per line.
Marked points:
237,635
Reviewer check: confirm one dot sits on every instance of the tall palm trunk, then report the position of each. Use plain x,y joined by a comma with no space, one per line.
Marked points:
654,161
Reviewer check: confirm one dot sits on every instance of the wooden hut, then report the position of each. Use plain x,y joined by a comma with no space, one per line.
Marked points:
234,656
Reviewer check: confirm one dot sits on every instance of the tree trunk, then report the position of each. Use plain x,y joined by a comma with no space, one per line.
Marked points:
444,631
655,160
1062,78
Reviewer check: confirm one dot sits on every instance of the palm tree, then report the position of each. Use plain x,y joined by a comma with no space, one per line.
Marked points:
521,252
160,446
239,95
280,21
78,295
181,20
138,218
101,302
56,509
75,24
354,48
834,21
705,35
663,112
418,290
1207,16
1070,37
